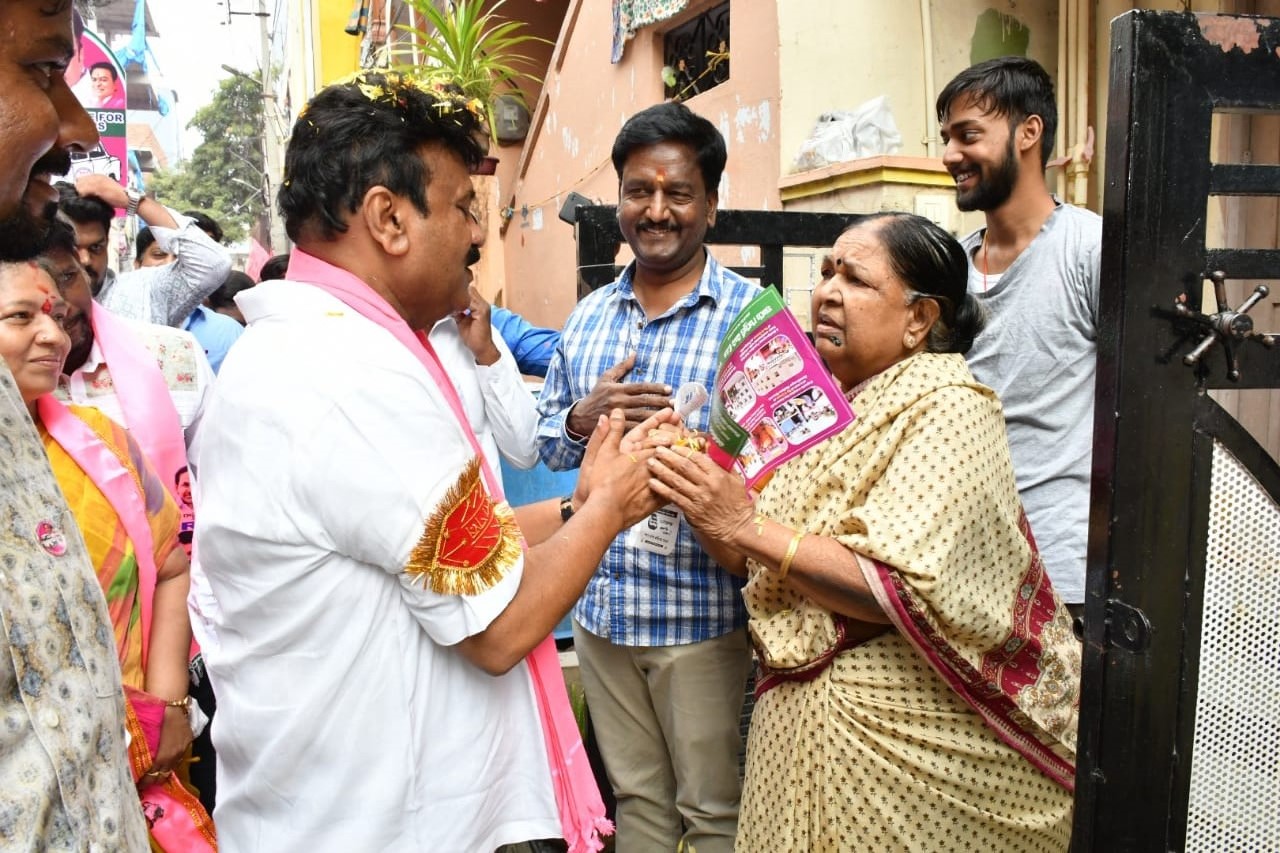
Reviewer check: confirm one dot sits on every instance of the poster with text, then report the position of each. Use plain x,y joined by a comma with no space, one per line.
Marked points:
98,82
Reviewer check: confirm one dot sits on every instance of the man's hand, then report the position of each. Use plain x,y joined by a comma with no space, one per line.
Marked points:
637,400
110,191
620,479
476,329
102,187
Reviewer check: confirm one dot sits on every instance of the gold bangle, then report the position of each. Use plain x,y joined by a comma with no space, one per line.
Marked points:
759,521
785,566
184,703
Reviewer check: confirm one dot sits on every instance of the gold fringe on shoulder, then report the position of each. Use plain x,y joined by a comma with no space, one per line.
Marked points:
471,541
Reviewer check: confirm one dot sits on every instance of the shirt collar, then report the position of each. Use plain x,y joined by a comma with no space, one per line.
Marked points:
710,284
197,317
93,361
108,282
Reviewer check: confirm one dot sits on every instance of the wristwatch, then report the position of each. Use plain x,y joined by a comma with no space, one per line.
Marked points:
135,199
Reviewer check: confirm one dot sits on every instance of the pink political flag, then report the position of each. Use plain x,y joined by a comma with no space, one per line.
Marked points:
257,257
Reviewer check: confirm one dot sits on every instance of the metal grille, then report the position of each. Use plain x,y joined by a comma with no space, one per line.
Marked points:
698,53
1235,765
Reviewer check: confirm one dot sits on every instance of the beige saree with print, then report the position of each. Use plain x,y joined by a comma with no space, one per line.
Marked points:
954,728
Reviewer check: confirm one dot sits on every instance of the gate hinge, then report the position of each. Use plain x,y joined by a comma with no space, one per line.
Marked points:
1127,626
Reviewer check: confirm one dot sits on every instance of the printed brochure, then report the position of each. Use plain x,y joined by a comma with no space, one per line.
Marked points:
773,397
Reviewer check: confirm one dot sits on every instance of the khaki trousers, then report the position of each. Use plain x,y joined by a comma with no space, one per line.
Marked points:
667,719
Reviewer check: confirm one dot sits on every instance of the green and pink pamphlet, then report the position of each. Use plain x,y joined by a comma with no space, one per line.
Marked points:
773,397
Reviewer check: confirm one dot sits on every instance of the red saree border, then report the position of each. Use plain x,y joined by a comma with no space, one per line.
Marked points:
984,695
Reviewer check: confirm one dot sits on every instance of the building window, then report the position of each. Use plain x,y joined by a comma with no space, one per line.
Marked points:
696,54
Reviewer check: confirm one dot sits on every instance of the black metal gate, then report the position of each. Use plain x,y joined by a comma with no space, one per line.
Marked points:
1180,717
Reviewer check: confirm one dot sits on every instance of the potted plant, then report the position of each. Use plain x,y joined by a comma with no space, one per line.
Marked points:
471,49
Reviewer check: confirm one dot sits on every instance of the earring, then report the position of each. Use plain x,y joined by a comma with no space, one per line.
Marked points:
910,341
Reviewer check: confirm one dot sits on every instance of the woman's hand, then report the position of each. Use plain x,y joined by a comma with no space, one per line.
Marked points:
175,737
611,474
714,500
661,429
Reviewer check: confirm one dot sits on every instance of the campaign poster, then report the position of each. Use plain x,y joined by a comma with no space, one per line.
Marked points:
98,81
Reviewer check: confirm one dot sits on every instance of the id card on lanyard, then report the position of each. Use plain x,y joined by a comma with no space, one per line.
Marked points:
657,533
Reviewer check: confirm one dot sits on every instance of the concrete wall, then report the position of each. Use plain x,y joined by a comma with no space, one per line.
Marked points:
585,101
837,54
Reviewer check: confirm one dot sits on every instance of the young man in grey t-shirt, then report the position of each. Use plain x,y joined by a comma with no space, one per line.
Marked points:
1035,266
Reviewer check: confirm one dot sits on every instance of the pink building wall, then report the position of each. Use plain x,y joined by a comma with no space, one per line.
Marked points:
584,102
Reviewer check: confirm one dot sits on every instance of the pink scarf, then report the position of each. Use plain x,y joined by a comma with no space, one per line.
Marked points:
582,815
175,818
143,394
101,465
144,397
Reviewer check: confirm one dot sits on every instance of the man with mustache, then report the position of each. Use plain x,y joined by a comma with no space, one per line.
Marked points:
659,630
379,620
144,376
1035,266
63,769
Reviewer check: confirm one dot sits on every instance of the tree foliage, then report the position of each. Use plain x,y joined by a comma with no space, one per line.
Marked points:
224,176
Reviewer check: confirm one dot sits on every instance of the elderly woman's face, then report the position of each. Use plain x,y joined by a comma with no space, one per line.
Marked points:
861,320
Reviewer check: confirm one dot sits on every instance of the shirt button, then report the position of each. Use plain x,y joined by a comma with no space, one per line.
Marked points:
49,718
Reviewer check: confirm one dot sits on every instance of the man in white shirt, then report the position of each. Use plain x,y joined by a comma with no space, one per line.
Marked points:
165,295
375,598
178,356
500,407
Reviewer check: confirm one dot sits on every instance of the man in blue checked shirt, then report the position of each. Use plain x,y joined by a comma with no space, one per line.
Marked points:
659,631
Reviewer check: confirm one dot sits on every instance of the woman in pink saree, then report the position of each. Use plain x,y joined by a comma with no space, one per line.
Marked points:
919,679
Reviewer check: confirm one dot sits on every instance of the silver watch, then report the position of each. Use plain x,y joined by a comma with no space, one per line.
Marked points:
135,199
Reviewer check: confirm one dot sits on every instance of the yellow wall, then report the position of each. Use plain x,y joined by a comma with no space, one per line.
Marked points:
337,53
318,50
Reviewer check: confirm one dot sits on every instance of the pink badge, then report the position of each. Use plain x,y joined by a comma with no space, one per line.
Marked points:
51,538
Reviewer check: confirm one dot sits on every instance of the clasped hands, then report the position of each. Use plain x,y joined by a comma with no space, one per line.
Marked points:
674,469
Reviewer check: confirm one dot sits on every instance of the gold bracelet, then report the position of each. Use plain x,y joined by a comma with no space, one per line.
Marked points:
759,521
785,566
184,703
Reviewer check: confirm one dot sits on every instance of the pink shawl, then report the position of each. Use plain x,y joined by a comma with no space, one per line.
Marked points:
175,818
582,815
143,394
101,465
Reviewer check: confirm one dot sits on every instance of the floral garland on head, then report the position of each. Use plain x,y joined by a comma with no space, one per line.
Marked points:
387,86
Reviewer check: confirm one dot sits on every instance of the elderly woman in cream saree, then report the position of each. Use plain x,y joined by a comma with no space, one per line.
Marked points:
919,679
